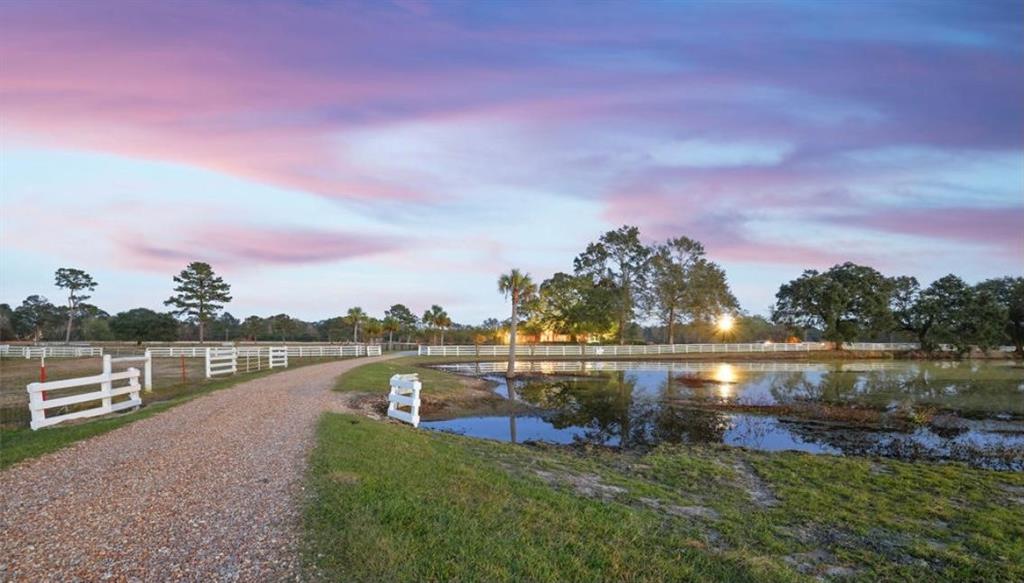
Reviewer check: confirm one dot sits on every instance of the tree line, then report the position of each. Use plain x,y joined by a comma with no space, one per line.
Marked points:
850,302
197,313
617,280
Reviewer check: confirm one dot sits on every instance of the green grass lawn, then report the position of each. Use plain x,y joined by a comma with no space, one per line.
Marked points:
22,443
375,377
397,504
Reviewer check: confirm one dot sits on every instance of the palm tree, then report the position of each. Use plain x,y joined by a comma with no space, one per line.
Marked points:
521,288
373,328
443,322
391,325
435,317
356,316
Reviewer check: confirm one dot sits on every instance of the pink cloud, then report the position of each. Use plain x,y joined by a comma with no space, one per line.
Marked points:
241,247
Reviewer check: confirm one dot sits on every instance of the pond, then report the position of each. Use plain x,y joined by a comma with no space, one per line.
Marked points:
971,411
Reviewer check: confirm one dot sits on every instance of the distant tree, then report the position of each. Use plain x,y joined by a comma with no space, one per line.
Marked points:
443,322
577,306
76,282
406,319
620,258
7,323
912,312
34,316
200,294
391,325
144,325
355,317
433,318
517,286
951,312
373,329
226,326
683,284
252,327
847,301
1009,292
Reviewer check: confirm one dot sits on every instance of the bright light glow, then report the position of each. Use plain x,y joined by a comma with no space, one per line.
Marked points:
726,323
725,374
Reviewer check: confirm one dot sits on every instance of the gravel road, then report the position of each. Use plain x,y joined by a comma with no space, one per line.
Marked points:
207,491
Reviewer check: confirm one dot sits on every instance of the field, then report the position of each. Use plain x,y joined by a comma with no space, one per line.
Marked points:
444,507
18,442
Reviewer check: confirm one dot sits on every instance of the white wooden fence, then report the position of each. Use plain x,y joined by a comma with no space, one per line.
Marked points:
221,361
22,351
38,403
278,356
617,350
405,392
294,351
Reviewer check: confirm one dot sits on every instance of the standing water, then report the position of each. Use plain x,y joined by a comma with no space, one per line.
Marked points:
968,411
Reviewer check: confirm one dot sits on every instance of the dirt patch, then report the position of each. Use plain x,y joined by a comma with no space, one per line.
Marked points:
685,511
818,562
756,488
588,485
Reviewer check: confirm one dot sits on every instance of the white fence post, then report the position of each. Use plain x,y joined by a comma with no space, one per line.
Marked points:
278,356
107,386
405,392
148,372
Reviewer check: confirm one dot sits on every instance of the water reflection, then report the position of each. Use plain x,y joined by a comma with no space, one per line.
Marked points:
642,404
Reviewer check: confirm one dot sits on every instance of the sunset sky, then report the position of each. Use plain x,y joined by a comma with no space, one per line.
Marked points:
323,155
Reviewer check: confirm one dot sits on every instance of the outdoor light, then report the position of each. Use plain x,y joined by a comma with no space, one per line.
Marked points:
726,323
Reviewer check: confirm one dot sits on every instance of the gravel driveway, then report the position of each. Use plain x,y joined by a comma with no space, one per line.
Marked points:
209,490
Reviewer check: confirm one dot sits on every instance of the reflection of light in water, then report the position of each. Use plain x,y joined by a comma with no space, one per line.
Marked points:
725,373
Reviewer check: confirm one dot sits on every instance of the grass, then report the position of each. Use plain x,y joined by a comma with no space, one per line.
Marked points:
17,444
393,503
373,378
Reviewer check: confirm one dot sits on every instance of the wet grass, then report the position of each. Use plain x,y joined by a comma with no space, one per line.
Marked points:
393,503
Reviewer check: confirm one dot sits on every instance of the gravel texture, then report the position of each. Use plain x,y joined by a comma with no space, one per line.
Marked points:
208,491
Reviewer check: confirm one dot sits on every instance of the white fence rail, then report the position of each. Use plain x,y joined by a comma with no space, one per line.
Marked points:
278,356
39,404
405,392
661,349
221,361
294,351
23,351
616,350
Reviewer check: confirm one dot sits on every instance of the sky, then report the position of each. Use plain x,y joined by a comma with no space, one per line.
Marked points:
322,155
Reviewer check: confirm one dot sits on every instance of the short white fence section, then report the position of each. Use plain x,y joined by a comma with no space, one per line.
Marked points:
405,392
147,367
278,356
39,405
221,361
22,351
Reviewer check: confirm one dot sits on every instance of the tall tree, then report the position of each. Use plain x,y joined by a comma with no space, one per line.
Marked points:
34,317
684,284
200,294
520,288
406,319
1009,291
619,257
76,282
356,316
847,301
